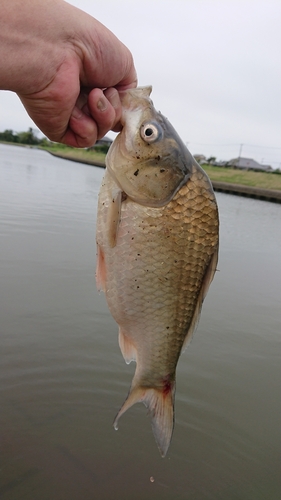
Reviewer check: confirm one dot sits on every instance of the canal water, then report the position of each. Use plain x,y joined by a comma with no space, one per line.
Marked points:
63,378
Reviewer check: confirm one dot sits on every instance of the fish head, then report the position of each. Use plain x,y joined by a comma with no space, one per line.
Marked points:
147,160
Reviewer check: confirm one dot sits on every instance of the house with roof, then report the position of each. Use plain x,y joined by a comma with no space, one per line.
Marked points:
201,159
104,141
248,164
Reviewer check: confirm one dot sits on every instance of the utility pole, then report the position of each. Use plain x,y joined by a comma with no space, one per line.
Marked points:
240,151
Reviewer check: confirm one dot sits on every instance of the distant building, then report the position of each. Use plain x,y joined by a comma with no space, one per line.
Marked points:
248,164
201,159
104,141
220,163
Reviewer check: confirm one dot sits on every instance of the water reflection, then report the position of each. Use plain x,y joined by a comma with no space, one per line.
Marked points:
62,376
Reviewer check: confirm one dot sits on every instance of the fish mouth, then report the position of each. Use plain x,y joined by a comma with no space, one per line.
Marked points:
134,100
132,95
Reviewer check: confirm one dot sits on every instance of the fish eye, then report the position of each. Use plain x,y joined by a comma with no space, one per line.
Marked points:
150,132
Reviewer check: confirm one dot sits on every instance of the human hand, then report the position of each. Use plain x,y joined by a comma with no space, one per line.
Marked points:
72,68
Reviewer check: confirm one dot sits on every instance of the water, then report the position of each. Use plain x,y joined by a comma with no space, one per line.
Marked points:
62,376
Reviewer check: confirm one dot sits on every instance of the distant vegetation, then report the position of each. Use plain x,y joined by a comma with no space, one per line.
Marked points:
28,137
31,138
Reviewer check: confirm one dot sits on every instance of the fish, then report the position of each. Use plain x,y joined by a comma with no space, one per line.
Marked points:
157,239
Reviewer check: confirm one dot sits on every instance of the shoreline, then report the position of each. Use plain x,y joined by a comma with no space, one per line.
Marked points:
77,160
272,195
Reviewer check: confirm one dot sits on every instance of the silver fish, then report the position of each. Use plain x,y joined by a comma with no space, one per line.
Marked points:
157,239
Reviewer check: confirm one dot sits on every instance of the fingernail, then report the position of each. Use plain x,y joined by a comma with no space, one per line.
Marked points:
102,105
76,113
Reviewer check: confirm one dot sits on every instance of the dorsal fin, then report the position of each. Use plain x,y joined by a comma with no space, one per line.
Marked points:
208,277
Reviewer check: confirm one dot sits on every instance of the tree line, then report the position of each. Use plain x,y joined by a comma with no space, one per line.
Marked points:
28,137
31,138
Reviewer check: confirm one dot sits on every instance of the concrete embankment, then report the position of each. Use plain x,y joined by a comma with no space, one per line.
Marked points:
251,192
272,195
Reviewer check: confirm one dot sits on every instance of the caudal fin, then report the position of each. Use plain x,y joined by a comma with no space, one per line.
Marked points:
160,405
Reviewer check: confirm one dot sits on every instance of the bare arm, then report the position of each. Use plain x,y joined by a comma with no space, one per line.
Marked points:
66,67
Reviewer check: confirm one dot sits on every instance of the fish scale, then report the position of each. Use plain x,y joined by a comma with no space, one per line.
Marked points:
155,263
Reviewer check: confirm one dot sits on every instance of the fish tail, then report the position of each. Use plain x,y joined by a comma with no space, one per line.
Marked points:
160,404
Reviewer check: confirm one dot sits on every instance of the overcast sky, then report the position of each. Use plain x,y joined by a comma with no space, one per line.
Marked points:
214,65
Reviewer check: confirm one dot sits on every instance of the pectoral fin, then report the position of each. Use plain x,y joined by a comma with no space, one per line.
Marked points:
100,270
113,217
